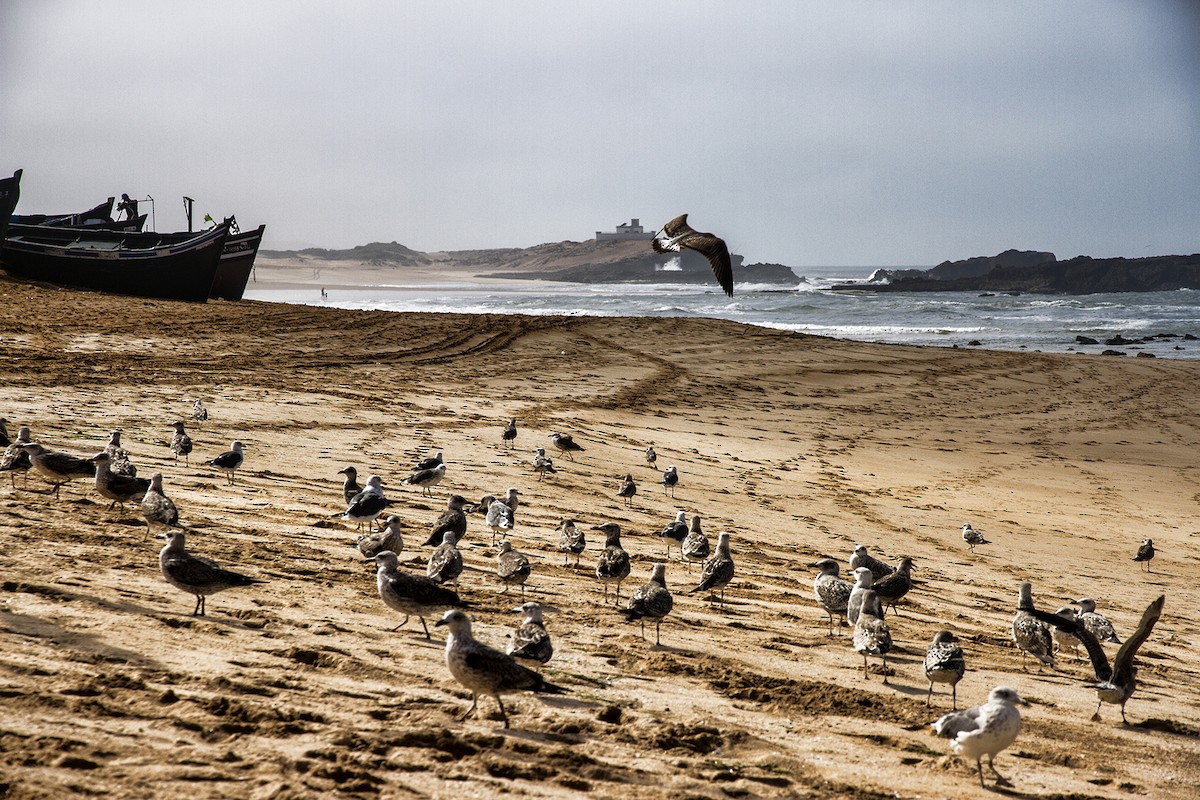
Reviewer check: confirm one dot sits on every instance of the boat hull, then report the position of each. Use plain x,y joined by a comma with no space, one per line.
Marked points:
233,273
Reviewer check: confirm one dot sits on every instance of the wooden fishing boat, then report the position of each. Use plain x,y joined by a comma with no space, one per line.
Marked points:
237,260
106,262
10,193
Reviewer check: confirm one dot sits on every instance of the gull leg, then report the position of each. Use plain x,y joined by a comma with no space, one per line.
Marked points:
503,713
471,710
1000,779
929,696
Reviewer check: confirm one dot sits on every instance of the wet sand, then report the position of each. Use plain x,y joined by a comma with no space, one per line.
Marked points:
799,446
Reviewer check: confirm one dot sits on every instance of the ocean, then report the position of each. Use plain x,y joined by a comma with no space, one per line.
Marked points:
1029,322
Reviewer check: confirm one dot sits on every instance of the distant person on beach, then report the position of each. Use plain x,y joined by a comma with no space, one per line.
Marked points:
128,205
324,295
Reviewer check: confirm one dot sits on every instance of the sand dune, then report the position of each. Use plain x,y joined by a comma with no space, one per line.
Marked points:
799,446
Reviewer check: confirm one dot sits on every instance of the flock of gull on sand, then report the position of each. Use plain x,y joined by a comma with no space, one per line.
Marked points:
983,730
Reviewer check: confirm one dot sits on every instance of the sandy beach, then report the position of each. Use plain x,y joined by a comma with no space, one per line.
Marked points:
800,447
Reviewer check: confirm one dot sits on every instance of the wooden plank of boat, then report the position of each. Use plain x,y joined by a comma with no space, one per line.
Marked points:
182,271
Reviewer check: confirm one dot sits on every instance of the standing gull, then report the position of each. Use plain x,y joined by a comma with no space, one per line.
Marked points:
677,235
832,593
530,641
445,562
498,517
571,540
542,463
15,458
1145,552
453,519
717,571
350,487
862,582
367,504
512,567
861,558
181,443
944,664
433,462
652,599
651,456
565,444
194,574
1096,623
426,478
1029,634
1063,638
411,595
984,730
972,537
509,435
58,468
483,670
117,488
670,479
613,564
676,530
871,634
230,461
118,456
891,588
199,412
157,508
1115,683
628,490
375,542
695,546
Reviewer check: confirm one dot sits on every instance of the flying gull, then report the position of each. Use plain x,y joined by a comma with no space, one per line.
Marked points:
181,443
695,547
571,540
445,562
484,670
530,642
411,595
230,461
677,235
1029,634
832,593
984,730
58,468
565,444
426,478
871,634
375,542
1145,552
613,564
717,572
512,567
157,508
117,488
944,664
194,574
367,504
670,479
1115,683
452,519
972,537
861,558
1097,624
652,599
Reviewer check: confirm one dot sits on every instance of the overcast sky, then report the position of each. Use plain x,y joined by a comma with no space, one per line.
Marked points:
806,133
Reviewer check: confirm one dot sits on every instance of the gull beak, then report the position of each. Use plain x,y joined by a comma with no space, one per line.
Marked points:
439,623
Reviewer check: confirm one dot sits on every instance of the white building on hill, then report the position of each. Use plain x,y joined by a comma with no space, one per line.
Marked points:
626,231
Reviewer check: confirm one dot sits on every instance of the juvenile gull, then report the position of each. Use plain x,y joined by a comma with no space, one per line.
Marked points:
677,235
542,463
651,456
565,444
512,499
15,458
199,412
426,478
613,564
230,461
411,595
862,582
670,480
484,670
445,562
1115,683
1096,623
984,730
717,572
891,588
1145,552
350,487
1063,638
512,567
628,490
695,546
944,664
181,443
571,540
652,599
118,456
194,574
367,504
117,488
451,520
157,508
375,542
832,593
433,462
1029,634
58,468
861,558
509,435
499,517
871,634
675,530
972,537
530,642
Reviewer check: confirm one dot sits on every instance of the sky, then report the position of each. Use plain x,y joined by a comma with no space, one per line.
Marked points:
804,133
